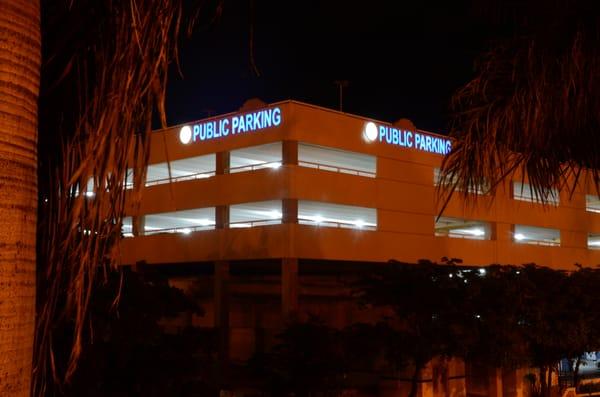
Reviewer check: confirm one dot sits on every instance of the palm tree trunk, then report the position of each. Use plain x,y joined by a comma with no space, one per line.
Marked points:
543,385
549,382
20,44
414,382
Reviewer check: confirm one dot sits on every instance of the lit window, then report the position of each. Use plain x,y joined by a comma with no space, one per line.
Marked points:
462,228
336,215
536,235
198,167
593,241
129,179
258,213
88,191
481,189
524,192
183,222
592,203
336,160
255,158
127,227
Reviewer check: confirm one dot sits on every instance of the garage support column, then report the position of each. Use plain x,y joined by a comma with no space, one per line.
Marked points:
289,152
512,382
289,286
289,211
221,307
289,266
290,157
495,382
138,224
222,216
222,163
222,211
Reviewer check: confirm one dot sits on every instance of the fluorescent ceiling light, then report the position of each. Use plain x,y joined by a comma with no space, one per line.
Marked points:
471,231
519,236
239,225
275,214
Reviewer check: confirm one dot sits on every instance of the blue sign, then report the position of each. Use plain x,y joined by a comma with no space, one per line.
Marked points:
232,125
408,139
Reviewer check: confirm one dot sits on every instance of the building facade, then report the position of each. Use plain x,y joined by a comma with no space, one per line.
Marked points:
271,205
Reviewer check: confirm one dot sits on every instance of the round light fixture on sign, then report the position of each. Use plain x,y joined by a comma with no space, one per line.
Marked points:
370,132
185,134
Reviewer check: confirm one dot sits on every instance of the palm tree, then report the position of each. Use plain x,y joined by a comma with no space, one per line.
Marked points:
20,52
109,82
534,105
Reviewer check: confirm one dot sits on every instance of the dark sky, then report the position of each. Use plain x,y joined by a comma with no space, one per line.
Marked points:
402,59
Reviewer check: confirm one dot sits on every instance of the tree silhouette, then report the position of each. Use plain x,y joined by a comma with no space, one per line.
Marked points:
534,103
105,68
129,351
498,316
429,316
307,359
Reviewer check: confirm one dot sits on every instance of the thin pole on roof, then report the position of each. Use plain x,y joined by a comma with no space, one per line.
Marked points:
341,85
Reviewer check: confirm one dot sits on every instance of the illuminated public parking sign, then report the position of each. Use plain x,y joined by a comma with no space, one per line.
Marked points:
406,138
231,125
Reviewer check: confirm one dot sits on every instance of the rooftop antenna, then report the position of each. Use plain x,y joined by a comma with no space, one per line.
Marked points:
208,112
341,85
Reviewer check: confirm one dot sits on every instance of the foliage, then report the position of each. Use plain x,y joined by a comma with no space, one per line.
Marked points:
498,316
430,309
496,297
308,358
311,358
129,350
105,74
556,318
533,105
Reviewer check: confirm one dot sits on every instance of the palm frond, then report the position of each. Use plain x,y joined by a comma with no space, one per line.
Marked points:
532,110
120,74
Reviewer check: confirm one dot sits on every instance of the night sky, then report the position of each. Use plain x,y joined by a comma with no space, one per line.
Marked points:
402,59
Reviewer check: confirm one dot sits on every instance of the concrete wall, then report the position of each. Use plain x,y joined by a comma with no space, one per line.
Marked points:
403,194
